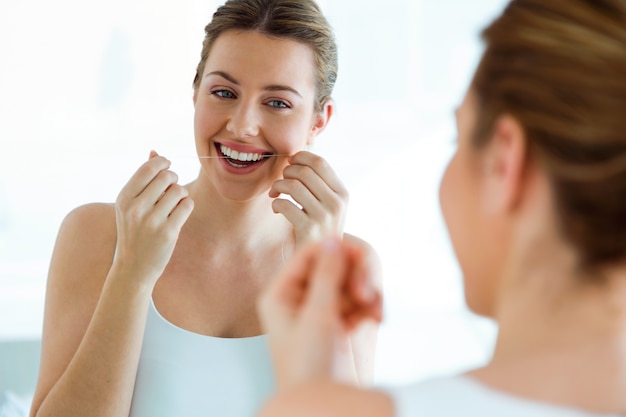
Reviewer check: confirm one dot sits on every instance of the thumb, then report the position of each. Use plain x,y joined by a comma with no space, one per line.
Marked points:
327,277
153,153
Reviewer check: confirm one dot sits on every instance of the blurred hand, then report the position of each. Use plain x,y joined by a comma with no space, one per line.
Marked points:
309,311
150,212
311,183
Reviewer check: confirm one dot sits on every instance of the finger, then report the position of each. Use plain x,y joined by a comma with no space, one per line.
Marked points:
316,195
181,213
292,212
327,277
156,189
144,175
322,168
362,293
361,285
170,199
300,194
372,314
285,288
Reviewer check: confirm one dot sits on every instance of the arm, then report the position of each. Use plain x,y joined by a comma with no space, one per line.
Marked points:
95,312
312,183
324,293
91,334
363,339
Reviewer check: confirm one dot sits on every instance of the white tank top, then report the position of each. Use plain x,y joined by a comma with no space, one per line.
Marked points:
464,397
182,373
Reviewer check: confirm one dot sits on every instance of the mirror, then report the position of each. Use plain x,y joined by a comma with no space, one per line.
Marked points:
88,89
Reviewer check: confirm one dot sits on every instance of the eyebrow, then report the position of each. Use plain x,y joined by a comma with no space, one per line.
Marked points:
273,87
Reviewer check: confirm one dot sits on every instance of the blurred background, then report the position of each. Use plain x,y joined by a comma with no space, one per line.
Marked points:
88,88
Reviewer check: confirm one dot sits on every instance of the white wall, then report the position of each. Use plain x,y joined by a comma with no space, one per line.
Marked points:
87,89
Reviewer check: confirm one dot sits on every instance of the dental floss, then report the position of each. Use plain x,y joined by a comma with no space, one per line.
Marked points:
226,157
220,157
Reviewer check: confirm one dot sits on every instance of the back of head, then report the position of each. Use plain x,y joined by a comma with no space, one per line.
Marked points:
559,67
297,20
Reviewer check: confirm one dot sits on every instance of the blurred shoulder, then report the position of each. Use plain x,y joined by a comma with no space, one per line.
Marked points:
355,240
370,253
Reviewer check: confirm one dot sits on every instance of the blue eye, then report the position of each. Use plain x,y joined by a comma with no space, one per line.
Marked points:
223,93
279,104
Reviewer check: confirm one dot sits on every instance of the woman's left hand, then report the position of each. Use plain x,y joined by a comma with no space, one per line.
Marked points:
312,183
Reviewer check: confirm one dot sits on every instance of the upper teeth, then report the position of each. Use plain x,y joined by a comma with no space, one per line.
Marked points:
240,156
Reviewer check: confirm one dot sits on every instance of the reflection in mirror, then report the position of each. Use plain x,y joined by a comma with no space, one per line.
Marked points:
85,99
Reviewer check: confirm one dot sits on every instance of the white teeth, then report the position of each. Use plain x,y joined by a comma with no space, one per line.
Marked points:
243,156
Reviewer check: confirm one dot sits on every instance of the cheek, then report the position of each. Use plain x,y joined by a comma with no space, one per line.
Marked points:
459,205
206,122
451,207
287,135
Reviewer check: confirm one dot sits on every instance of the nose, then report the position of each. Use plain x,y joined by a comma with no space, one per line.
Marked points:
244,120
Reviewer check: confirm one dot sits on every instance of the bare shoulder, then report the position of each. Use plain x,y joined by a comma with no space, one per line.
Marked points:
328,399
355,240
86,238
90,223
370,253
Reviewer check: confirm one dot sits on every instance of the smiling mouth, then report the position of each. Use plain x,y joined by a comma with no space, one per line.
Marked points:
241,159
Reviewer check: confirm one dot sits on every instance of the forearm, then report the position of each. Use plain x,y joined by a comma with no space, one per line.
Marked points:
99,379
363,348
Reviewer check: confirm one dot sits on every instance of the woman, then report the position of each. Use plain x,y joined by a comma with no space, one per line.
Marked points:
150,307
535,205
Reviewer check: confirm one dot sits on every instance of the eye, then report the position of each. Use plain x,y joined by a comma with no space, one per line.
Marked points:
223,94
278,104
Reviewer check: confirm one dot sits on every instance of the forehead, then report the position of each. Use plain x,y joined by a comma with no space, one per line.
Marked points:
250,56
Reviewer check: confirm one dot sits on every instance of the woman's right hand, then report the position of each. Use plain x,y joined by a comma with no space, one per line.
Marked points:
321,296
150,212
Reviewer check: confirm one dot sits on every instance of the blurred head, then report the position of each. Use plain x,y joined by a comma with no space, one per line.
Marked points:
297,20
555,71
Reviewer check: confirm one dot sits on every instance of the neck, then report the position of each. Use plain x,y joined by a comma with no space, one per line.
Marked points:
562,331
236,224
554,321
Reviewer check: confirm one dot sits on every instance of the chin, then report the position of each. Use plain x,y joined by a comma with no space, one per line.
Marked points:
478,300
243,194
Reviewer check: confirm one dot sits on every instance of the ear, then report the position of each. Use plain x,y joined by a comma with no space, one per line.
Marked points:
506,161
321,120
195,96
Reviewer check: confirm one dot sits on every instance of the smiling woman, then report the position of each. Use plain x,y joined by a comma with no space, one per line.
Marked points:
151,301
